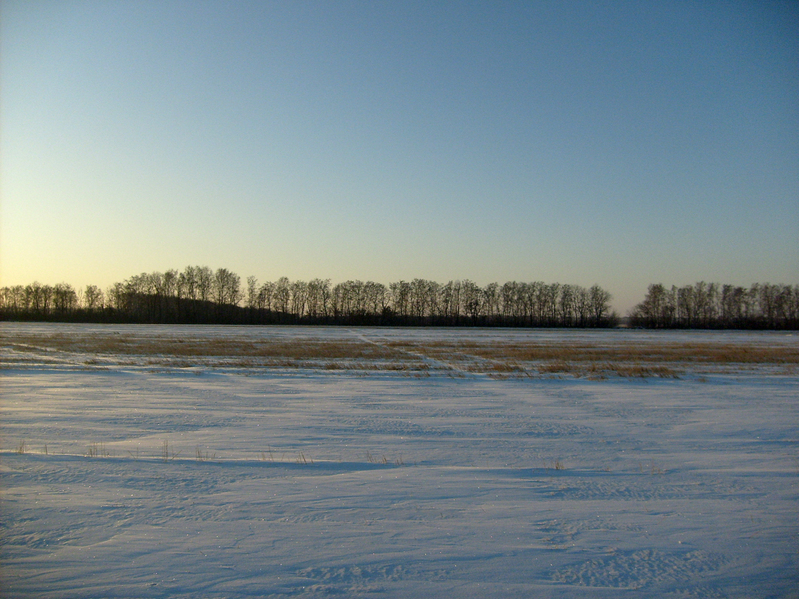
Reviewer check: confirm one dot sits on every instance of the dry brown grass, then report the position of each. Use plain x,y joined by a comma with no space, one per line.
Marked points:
623,359
727,353
129,345
397,351
648,358
596,370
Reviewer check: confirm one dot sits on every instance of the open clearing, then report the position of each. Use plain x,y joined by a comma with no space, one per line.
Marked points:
187,461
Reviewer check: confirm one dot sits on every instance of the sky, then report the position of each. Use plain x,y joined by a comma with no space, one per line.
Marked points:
610,143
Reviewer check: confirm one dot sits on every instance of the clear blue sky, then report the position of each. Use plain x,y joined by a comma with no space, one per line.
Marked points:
618,143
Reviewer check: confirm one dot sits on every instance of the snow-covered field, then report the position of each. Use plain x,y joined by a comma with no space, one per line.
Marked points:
302,462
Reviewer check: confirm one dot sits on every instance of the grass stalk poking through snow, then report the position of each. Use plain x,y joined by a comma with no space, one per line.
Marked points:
203,456
555,465
383,460
166,453
98,450
653,468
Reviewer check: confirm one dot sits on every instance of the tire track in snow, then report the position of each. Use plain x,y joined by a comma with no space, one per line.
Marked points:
367,578
640,569
435,363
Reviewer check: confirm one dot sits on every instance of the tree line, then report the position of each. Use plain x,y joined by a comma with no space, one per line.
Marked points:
711,305
201,295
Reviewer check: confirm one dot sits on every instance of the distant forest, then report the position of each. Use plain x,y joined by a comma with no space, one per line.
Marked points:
199,295
710,305
203,296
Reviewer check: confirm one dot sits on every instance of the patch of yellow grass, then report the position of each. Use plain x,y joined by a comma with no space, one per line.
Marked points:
727,353
494,357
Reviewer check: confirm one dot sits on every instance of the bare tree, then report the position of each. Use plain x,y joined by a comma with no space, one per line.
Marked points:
599,300
65,300
93,298
566,305
318,298
400,297
252,292
204,280
299,298
282,295
265,296
470,295
489,302
227,287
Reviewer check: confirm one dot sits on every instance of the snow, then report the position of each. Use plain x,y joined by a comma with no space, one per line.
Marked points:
141,479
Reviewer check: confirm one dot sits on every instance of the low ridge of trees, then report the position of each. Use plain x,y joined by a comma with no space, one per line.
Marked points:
200,295
711,305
